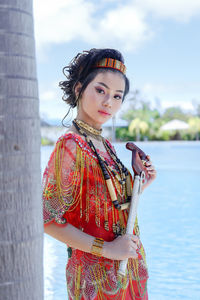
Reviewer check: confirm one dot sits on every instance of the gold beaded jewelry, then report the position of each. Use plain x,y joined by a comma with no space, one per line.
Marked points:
89,129
97,246
118,185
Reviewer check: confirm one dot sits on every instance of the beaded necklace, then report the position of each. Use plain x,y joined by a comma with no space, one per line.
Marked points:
89,130
83,128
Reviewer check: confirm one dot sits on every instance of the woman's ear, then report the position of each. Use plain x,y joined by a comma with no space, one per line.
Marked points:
77,89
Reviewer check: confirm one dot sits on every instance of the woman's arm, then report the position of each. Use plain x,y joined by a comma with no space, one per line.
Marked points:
122,247
71,236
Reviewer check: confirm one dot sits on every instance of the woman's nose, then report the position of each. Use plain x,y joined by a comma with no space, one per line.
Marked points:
107,101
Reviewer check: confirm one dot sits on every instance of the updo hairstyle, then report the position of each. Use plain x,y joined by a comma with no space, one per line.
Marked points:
82,69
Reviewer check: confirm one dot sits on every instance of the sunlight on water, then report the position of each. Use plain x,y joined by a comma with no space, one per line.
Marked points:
169,218
55,259
49,265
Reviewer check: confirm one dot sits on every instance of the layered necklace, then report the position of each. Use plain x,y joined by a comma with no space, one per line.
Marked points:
122,177
87,130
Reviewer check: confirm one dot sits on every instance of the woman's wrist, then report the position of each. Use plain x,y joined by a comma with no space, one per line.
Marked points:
105,249
100,248
97,246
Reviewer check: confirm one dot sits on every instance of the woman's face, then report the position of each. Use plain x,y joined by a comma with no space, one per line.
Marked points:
101,99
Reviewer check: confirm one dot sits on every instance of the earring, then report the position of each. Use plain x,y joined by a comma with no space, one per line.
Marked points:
113,129
77,101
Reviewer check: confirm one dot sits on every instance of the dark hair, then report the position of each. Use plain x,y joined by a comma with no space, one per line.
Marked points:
82,69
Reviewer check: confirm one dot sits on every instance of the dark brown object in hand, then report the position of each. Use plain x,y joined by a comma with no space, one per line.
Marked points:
138,159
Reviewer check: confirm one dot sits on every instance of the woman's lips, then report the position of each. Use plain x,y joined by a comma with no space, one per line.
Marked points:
104,113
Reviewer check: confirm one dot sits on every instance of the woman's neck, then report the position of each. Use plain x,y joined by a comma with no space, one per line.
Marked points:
87,130
88,121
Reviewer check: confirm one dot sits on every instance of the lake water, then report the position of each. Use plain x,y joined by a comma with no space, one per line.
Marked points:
169,219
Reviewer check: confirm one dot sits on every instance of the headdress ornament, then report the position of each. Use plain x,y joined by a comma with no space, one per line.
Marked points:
111,63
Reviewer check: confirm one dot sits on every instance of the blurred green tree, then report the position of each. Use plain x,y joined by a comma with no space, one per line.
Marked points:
138,127
194,128
172,113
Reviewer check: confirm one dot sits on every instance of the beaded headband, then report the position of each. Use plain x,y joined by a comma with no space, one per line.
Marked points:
111,63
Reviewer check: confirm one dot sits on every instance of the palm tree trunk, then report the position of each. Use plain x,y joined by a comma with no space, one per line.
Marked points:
21,228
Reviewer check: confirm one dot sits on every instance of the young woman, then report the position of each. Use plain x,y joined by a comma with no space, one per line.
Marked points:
78,201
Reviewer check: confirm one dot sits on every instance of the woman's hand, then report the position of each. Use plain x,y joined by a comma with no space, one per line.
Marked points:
122,247
151,172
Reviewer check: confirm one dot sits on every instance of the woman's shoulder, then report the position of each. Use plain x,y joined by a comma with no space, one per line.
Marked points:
71,139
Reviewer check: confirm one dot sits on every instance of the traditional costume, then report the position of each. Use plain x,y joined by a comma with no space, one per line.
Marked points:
75,192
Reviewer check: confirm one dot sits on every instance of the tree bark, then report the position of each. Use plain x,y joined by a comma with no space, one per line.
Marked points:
21,226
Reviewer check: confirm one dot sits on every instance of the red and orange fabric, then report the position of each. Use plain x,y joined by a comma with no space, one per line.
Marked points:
74,191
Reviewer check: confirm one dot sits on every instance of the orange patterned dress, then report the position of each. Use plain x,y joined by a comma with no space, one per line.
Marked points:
74,191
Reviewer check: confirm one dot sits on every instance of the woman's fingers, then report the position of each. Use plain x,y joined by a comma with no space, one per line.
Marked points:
135,238
135,244
134,241
134,254
123,247
151,172
148,163
150,167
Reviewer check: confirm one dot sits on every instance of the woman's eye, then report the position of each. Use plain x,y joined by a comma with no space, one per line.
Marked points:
100,91
118,97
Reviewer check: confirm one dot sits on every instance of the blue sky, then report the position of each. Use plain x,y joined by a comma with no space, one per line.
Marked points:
160,42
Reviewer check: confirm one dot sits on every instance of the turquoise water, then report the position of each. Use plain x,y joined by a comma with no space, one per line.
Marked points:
169,219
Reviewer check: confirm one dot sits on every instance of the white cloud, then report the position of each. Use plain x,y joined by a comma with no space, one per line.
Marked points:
179,10
51,104
105,23
48,96
177,88
53,109
64,21
61,20
181,94
125,26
